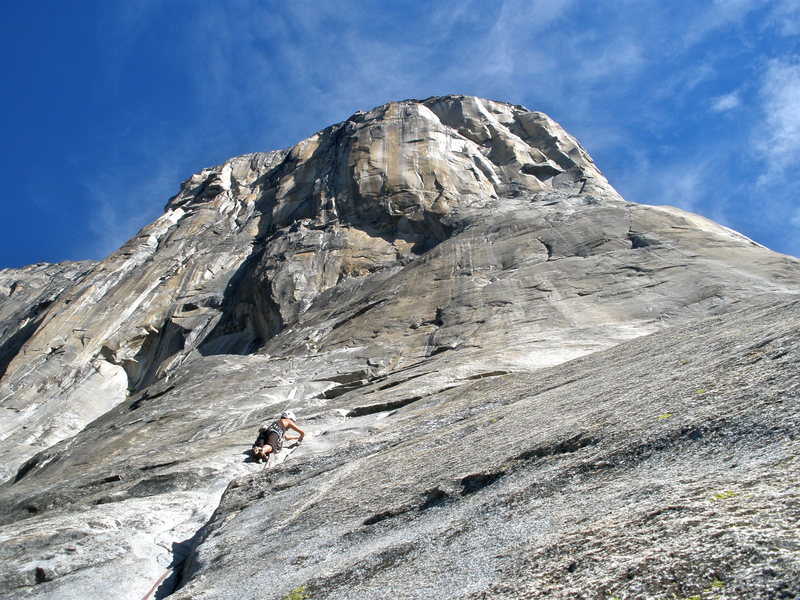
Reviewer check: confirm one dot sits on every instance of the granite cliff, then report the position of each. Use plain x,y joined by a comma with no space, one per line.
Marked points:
518,384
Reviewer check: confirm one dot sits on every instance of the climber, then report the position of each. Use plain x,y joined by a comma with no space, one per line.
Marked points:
271,437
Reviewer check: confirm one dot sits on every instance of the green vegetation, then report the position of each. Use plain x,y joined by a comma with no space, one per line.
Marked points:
724,495
298,593
715,586
665,416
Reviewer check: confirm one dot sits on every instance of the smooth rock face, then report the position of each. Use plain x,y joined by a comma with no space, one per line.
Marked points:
417,283
603,477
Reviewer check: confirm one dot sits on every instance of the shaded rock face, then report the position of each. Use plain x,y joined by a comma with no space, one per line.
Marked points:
418,283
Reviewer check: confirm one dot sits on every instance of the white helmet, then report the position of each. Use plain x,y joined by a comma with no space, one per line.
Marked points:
287,414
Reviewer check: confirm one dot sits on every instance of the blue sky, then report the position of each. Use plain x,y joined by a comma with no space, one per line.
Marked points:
108,106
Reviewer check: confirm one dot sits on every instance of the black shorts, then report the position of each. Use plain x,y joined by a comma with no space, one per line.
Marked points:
273,439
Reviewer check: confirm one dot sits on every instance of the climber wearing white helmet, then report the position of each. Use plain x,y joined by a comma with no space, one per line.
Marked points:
271,438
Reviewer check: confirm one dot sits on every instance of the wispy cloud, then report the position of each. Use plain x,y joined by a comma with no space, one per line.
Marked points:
725,102
776,140
706,18
683,183
122,204
779,137
785,17
796,218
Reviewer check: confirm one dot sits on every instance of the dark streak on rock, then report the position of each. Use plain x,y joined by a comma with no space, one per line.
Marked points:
474,483
386,515
26,468
489,374
358,313
573,444
159,465
145,397
370,409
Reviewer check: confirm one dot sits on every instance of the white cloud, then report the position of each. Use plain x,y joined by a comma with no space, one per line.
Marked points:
603,61
721,14
726,102
796,218
785,17
778,138
680,184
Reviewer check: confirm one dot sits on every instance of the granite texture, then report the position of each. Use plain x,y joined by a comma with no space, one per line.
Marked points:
516,384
